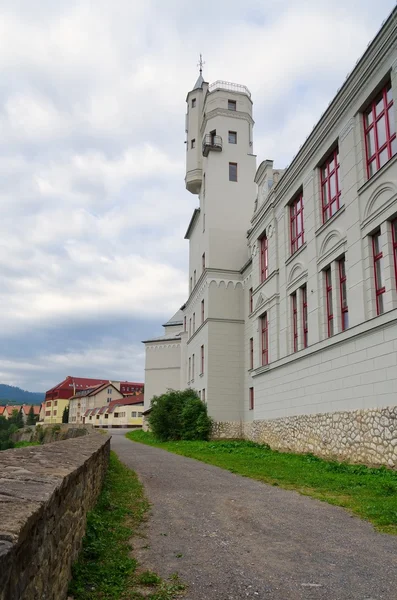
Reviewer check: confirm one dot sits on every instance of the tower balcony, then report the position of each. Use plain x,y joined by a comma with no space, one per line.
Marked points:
193,180
211,142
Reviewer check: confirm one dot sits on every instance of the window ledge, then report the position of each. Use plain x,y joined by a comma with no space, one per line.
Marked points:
263,283
295,254
378,174
260,370
324,226
201,374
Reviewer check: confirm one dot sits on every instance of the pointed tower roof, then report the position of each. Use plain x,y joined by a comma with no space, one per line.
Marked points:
200,79
199,82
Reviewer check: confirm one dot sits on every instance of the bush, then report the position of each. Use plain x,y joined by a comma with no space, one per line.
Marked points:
179,416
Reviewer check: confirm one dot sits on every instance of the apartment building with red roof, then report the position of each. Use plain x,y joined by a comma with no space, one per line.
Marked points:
57,398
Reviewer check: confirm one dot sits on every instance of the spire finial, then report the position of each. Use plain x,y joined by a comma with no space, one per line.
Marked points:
201,63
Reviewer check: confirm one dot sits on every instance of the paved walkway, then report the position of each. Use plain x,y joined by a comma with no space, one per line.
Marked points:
232,538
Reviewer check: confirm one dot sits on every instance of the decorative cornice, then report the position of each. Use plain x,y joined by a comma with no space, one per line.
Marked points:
162,347
347,129
223,112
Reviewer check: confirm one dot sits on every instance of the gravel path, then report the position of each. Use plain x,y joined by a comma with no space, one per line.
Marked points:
232,538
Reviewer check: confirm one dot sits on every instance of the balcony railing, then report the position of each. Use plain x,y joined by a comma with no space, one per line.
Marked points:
211,142
228,86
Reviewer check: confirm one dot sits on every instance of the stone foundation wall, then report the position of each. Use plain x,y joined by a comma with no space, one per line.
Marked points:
361,436
227,430
45,493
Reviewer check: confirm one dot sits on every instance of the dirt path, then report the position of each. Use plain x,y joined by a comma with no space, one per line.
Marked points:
232,538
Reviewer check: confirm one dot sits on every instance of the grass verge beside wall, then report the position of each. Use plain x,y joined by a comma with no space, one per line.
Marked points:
369,493
106,569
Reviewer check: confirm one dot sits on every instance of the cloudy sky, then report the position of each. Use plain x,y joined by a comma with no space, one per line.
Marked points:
92,200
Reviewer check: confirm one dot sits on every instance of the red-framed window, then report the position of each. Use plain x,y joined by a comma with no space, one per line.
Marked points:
202,359
202,311
251,300
296,223
203,396
304,316
330,310
190,326
380,131
264,258
251,398
192,367
251,353
265,339
394,233
203,261
194,322
294,322
330,191
344,309
378,271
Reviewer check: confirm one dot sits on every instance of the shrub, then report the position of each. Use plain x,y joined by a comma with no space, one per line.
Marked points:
179,416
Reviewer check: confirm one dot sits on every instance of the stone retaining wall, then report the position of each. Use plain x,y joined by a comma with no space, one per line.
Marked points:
45,433
45,493
367,436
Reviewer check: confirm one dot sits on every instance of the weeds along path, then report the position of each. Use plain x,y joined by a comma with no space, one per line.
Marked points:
231,537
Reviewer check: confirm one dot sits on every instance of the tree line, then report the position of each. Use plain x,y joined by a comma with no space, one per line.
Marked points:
9,426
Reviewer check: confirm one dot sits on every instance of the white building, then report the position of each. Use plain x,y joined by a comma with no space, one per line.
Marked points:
289,332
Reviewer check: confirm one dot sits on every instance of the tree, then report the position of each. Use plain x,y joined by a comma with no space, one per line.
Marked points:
31,420
16,418
65,416
179,415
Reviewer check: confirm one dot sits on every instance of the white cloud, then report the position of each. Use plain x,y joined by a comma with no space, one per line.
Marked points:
92,102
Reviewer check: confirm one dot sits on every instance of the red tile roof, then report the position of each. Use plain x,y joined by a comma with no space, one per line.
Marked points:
11,407
68,386
26,409
2,409
125,402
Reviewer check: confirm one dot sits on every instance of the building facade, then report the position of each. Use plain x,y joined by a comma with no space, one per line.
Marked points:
89,398
289,333
124,412
58,397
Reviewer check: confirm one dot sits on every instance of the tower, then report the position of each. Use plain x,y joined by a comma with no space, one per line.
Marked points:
220,169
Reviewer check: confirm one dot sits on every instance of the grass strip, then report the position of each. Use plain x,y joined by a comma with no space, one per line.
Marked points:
26,444
370,493
106,569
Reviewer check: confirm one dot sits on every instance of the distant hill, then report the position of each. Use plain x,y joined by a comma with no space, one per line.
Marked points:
14,395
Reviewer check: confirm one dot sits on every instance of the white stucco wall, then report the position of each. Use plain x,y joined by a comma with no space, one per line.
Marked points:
162,368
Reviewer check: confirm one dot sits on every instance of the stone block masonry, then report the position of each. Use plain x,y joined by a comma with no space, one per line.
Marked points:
45,494
367,436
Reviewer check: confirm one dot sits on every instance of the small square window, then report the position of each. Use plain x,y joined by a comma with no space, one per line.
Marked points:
232,137
193,102
193,144
232,171
231,105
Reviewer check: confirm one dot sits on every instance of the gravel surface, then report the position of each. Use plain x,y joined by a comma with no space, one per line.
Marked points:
232,538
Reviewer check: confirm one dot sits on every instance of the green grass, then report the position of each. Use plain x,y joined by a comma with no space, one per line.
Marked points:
369,493
106,569
25,444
